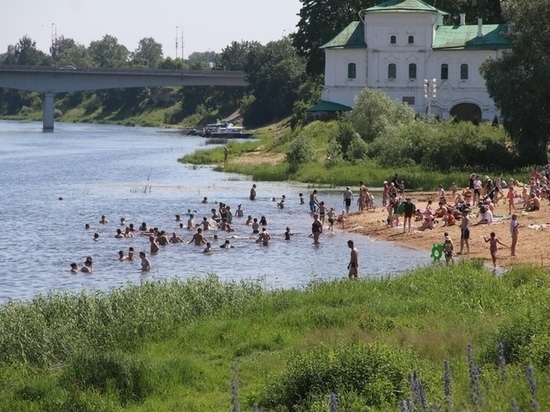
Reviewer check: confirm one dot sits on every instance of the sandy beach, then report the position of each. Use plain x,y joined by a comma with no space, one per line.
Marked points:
532,247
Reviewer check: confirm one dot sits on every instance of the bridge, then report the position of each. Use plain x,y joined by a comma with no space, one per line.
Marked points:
52,80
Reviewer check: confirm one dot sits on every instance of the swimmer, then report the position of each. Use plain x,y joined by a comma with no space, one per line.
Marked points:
119,234
198,238
154,245
208,248
178,218
163,239
216,238
316,228
263,221
224,225
263,237
122,221
204,200
205,224
288,234
239,212
96,236
281,204
145,264
87,226
215,216
255,226
103,220
143,227
313,202
131,227
175,238
131,254
191,222
74,267
248,220
128,232
227,245
88,266
121,255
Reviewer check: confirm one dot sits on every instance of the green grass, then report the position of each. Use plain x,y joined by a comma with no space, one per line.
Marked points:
171,345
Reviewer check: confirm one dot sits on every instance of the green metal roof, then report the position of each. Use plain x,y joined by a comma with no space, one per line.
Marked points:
324,106
403,5
352,37
465,37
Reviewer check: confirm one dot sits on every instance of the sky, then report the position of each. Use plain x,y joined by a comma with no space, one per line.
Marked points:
206,25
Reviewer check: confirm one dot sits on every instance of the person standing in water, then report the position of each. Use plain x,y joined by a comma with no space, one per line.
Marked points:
253,192
353,264
316,228
145,264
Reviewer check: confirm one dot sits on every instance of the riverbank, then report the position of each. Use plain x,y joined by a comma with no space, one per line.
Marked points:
532,245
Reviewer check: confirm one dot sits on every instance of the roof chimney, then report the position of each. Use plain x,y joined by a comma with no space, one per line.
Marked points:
462,19
479,27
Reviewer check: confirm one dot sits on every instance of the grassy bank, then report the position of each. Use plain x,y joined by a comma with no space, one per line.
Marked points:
264,160
201,345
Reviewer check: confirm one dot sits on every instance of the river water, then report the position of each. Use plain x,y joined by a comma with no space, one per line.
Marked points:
134,173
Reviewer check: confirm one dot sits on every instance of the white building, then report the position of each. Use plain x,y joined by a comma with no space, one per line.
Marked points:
400,43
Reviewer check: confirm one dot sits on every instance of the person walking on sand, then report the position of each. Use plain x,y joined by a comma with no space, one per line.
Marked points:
348,197
353,265
493,246
511,196
465,232
409,209
514,231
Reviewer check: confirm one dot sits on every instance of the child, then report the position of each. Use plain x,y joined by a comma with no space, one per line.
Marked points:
145,264
511,197
342,218
331,213
514,225
448,248
288,234
493,246
302,199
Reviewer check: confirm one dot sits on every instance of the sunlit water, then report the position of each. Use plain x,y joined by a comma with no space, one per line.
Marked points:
133,172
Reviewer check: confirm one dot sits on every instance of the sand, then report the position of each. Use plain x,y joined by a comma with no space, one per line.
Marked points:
533,241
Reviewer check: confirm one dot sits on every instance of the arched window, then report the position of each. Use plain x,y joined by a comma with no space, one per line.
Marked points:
393,40
351,71
412,71
444,71
411,39
463,72
392,71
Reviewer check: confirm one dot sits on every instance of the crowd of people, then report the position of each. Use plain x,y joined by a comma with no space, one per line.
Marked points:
484,201
222,219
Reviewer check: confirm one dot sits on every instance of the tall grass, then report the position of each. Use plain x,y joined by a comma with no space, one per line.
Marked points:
435,336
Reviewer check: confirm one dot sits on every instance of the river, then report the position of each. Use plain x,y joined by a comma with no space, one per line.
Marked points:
55,183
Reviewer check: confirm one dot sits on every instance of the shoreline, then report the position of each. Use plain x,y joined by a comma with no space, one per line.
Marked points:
531,248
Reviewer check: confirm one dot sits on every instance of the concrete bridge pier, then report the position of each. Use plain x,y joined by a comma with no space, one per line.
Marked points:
47,112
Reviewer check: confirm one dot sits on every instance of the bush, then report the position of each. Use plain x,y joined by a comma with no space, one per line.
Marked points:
104,371
299,151
376,372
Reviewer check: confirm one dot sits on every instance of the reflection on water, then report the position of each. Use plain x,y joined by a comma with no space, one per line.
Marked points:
133,172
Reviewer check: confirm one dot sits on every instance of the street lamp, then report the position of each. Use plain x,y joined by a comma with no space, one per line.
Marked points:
430,93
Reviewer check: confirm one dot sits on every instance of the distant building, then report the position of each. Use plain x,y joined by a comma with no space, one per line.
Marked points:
399,44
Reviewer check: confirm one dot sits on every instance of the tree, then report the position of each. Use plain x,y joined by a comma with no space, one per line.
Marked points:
376,114
319,22
68,52
149,53
274,73
108,53
25,53
519,82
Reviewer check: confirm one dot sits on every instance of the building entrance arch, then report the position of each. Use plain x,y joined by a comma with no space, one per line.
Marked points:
466,112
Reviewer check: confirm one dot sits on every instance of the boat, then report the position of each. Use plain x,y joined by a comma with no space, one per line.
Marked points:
225,130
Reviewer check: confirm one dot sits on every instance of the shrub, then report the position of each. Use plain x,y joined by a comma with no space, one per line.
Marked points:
376,372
